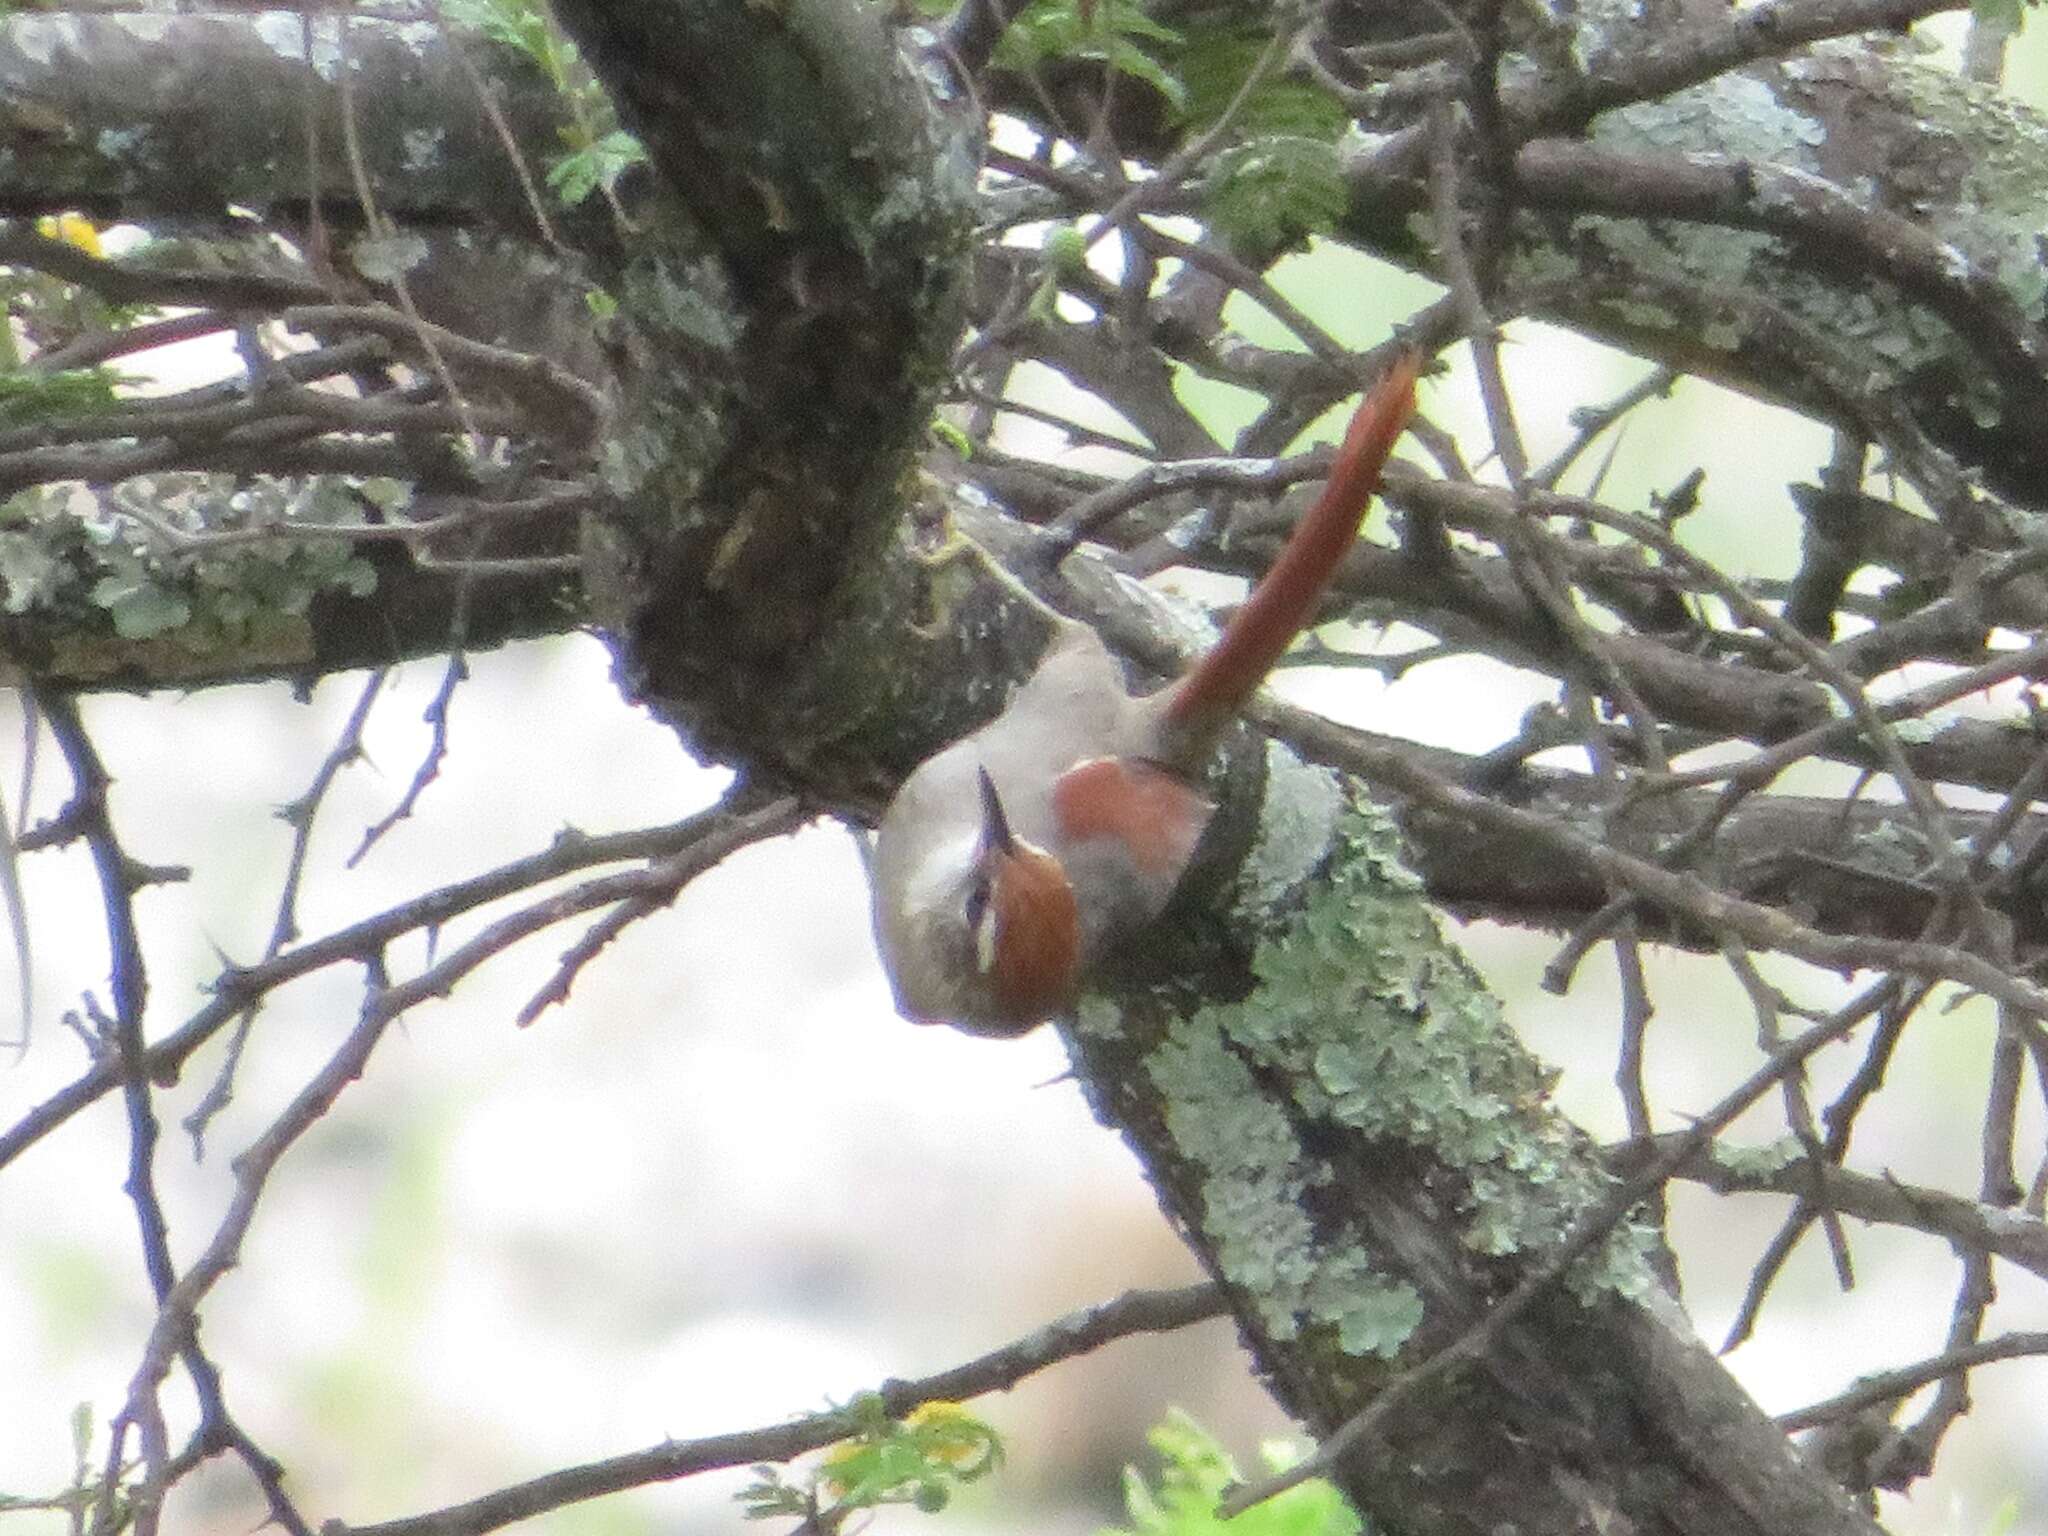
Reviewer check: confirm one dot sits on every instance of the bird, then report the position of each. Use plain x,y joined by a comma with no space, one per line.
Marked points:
1010,865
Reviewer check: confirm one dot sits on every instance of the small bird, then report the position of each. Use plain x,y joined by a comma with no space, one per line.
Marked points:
1013,862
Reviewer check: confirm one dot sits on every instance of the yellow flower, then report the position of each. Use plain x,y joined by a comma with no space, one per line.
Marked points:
949,1433
73,229
838,1456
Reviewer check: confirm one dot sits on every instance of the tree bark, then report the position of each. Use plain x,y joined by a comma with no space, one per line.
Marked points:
1329,1104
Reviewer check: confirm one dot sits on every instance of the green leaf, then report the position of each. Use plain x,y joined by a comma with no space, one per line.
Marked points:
26,398
1274,193
769,1497
958,441
1066,248
1128,58
1215,67
600,164
2002,15
514,24
916,1460
1106,32
1194,1473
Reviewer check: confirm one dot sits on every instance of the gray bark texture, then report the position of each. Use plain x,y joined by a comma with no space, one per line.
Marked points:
732,476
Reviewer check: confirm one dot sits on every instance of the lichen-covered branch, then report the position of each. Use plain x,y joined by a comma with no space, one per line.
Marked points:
794,299
691,408
1360,1152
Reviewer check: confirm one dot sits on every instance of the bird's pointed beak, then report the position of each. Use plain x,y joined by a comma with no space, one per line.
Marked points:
996,836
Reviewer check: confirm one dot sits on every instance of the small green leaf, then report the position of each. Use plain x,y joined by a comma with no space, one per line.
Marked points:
944,430
916,1460
1129,59
1066,248
1104,31
1194,1473
26,398
600,164
1215,68
1274,193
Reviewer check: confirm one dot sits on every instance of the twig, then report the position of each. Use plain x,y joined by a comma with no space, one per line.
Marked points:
384,1002
1078,1333
600,934
1890,1386
1589,422
97,347
129,992
1909,1451
11,828
1177,167
436,716
2019,1239
1636,1012
518,370
236,987
1768,1003
1081,520
299,815
487,100
379,227
1759,925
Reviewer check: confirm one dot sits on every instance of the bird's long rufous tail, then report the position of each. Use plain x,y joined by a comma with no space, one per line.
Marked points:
1210,696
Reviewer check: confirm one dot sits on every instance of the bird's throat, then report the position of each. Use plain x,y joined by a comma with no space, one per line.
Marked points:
1035,964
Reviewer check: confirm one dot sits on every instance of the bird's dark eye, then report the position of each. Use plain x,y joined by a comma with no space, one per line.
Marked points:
981,920
977,900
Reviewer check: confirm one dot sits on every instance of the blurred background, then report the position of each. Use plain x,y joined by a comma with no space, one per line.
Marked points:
724,1184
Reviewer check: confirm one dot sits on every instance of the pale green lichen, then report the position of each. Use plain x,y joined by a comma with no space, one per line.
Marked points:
1378,1026
1098,1018
1296,817
1589,30
291,37
73,557
1716,257
1254,1172
1735,115
1377,1316
1759,1162
1997,213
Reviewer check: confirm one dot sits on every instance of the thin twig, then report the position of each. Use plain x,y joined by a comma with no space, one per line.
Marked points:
384,1002
436,715
299,815
1078,1333
1891,1386
238,986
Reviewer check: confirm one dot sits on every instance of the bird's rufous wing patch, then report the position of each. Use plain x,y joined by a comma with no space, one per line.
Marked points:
1153,814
